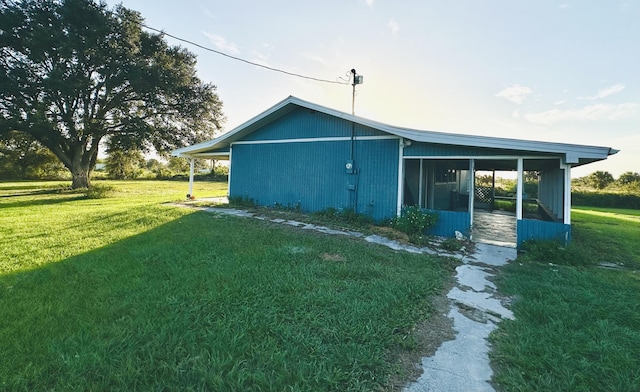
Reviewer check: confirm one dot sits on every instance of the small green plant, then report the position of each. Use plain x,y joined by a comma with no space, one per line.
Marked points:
353,217
451,244
328,213
241,201
347,216
99,192
295,207
414,222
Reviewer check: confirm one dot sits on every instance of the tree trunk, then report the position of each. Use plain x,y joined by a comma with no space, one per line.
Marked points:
80,177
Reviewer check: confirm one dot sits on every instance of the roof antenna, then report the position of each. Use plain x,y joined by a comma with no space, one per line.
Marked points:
357,79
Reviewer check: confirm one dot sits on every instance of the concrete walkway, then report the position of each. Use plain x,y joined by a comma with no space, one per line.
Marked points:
495,228
461,364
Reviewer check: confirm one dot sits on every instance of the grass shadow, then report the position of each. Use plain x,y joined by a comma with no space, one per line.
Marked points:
41,201
214,303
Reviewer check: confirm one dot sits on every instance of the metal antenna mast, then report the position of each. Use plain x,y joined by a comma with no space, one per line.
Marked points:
357,79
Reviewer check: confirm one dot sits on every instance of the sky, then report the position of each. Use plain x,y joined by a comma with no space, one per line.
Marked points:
559,71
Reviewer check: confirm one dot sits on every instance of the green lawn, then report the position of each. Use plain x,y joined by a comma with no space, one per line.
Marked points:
577,326
125,293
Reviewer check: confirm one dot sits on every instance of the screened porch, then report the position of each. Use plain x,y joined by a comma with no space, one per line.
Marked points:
470,197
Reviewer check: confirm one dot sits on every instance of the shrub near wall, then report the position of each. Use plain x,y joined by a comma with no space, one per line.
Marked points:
606,199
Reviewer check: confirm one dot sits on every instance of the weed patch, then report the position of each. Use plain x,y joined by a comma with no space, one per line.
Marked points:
344,216
99,191
414,222
241,202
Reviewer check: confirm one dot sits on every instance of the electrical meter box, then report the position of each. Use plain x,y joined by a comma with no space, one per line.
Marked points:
349,167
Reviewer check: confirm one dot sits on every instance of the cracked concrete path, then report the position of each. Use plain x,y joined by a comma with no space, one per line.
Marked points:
461,364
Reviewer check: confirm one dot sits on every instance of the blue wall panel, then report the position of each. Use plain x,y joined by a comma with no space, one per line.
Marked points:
450,221
306,123
313,175
528,229
376,162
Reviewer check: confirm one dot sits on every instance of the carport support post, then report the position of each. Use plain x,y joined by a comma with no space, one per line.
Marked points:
567,194
191,168
472,194
520,187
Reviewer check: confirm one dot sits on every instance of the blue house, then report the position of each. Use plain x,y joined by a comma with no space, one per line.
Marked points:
307,156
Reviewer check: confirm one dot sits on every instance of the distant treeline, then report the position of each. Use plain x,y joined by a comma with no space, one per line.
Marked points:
601,189
605,199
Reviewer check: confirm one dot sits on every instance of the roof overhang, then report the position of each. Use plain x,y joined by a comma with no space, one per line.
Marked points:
573,154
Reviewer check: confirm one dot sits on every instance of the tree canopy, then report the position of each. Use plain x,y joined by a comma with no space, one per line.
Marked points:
600,179
75,74
628,178
21,158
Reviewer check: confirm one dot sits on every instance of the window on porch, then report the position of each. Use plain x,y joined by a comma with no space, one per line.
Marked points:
437,184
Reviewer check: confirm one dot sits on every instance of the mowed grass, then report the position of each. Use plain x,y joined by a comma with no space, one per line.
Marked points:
42,222
577,325
125,293
609,235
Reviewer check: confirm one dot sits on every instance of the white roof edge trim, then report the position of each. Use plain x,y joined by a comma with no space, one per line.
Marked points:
208,144
584,151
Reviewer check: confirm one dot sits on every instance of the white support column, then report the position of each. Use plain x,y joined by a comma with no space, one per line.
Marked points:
229,175
191,169
472,192
421,184
400,176
519,188
567,194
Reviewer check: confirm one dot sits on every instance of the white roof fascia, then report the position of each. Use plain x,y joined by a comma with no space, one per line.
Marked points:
571,151
199,147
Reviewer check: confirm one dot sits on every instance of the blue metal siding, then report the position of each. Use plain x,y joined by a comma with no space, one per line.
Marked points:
313,176
528,229
377,180
449,222
443,150
305,123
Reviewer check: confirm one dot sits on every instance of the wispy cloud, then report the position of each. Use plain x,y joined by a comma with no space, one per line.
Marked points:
260,58
597,112
369,2
222,44
394,27
515,93
564,6
209,13
315,57
605,92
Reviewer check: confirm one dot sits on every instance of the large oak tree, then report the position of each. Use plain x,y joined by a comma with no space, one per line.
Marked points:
74,73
